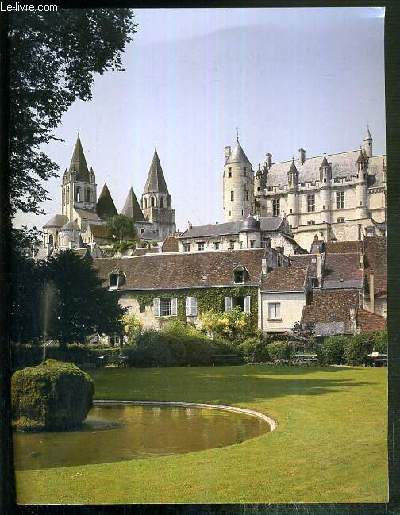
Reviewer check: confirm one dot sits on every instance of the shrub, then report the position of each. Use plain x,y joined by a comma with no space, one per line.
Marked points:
331,350
255,350
280,351
357,348
53,396
380,341
132,326
232,325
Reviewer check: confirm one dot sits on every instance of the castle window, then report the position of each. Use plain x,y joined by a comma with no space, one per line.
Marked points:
78,194
252,244
168,201
153,202
311,222
50,239
87,195
291,210
200,245
161,202
141,230
242,212
340,220
186,247
244,171
258,188
145,203
340,200
231,244
231,196
275,207
216,245
310,203
230,171
230,213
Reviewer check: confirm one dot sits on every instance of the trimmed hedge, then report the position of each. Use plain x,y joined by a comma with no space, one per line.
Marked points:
331,351
53,396
25,355
255,350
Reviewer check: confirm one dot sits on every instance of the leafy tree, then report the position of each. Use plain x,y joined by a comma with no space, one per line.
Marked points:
121,228
53,60
234,324
132,326
84,307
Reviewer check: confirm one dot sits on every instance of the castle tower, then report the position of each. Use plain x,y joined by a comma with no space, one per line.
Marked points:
105,207
293,197
131,207
78,185
361,185
156,200
325,171
238,184
367,143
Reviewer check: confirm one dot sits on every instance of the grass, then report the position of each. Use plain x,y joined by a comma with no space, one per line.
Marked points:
330,445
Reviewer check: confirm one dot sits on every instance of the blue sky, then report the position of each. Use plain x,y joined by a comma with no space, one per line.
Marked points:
288,78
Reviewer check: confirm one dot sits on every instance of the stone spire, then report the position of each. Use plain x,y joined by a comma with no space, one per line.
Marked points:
155,180
237,155
105,207
131,207
324,162
78,163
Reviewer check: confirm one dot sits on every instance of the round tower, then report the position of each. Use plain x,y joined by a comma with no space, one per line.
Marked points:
325,172
238,184
293,197
361,185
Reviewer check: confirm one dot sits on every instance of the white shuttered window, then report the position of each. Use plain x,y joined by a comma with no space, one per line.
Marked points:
191,306
228,303
156,307
247,304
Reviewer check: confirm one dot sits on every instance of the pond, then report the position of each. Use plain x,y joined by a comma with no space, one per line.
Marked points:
116,432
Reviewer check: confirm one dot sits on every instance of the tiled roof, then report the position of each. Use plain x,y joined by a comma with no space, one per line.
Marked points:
342,271
139,251
375,259
170,244
343,164
100,231
267,224
342,247
56,221
304,261
85,214
369,322
173,271
284,279
331,306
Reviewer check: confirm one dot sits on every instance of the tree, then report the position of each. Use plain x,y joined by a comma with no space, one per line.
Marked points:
53,60
83,307
120,228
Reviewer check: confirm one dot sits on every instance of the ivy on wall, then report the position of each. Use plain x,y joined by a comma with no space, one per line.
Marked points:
208,299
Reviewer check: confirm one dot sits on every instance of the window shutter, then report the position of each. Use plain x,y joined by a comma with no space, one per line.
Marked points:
247,304
193,307
174,306
156,307
188,306
228,303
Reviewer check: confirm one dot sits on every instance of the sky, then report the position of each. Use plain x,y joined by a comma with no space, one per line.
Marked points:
286,78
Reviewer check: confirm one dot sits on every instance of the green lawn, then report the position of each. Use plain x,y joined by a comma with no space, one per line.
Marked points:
330,445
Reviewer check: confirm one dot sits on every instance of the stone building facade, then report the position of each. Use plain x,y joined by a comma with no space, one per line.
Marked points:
336,197
84,216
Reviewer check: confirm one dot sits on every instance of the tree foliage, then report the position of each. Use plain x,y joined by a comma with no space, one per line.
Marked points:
54,58
121,228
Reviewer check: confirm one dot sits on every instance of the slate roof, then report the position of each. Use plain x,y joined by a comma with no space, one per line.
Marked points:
285,279
237,155
70,226
304,261
267,224
180,271
100,231
375,259
78,163
331,307
131,207
105,206
343,247
342,271
155,180
343,164
56,221
88,215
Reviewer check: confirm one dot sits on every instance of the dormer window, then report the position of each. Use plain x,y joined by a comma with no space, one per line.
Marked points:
116,279
240,275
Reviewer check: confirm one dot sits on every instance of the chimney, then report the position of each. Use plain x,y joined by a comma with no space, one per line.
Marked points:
302,155
268,159
319,268
227,152
264,266
372,291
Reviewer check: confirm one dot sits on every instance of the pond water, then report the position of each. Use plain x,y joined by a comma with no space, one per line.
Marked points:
124,432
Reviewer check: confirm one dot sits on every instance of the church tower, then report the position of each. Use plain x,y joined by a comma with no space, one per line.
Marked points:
156,200
238,184
78,185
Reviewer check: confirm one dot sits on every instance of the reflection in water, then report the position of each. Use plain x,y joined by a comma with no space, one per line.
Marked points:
118,432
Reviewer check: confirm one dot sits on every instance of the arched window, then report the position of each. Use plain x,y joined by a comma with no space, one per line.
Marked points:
78,194
145,203
50,239
88,195
67,195
153,202
168,201
161,202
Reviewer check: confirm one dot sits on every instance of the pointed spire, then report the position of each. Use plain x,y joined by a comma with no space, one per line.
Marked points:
155,180
324,162
293,166
237,155
131,207
78,162
105,207
368,134
361,156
